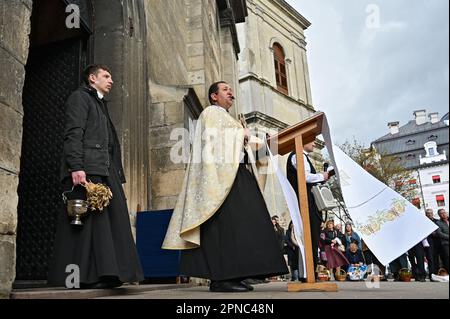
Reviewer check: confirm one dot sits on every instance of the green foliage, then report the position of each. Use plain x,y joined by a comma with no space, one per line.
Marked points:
387,169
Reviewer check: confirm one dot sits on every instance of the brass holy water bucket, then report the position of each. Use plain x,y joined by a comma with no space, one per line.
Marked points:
76,208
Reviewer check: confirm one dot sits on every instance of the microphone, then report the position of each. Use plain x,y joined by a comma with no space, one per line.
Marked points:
233,98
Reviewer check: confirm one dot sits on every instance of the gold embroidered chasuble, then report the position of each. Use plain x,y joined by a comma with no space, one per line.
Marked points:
214,161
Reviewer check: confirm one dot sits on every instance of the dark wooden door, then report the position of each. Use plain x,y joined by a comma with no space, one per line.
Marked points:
53,71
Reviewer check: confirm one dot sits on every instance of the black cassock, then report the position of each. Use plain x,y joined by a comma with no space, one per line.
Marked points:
104,245
238,241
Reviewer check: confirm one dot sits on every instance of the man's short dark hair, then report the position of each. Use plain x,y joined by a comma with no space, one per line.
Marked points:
214,88
93,69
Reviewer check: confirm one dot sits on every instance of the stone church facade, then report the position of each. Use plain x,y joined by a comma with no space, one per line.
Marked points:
274,78
163,54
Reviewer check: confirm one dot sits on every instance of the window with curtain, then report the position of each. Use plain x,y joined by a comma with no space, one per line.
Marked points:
436,179
280,68
440,200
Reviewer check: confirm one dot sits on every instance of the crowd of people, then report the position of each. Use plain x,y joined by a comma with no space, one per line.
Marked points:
344,253
431,251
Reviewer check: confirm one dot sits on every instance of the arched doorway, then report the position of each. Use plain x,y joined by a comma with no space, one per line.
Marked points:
56,58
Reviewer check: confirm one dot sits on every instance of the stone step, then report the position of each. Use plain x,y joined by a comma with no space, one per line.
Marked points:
62,293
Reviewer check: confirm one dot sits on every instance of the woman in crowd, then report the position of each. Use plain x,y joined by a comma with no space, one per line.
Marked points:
333,248
351,235
356,269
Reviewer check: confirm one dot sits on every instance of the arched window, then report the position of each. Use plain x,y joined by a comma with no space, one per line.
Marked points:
280,68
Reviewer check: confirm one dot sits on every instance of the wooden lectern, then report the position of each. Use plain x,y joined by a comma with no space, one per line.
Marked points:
286,141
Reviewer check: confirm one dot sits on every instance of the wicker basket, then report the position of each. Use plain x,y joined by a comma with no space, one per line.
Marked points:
323,274
341,275
404,274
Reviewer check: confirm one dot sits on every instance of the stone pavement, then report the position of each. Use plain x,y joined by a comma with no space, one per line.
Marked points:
62,293
272,290
278,290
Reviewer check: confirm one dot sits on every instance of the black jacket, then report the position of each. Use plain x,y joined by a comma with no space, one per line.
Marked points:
291,173
442,232
326,236
87,134
355,258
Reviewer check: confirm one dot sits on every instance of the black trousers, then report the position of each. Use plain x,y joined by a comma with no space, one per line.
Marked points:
416,258
437,247
444,256
315,220
429,254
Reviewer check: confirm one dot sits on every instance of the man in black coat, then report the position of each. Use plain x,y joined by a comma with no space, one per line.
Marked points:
312,178
101,253
432,249
443,236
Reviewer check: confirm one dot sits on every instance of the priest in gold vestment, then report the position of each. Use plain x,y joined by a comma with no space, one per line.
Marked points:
220,221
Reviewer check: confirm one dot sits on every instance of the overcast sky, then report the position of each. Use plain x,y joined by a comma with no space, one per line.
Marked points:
366,72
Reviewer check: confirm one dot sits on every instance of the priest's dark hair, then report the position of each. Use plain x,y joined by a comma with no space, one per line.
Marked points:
93,69
214,88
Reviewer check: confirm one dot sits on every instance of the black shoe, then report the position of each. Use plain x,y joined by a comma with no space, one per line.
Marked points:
227,286
249,287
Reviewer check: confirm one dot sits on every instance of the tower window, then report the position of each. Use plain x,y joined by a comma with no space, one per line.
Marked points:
280,68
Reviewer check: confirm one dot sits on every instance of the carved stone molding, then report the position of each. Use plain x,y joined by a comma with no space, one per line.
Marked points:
264,120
